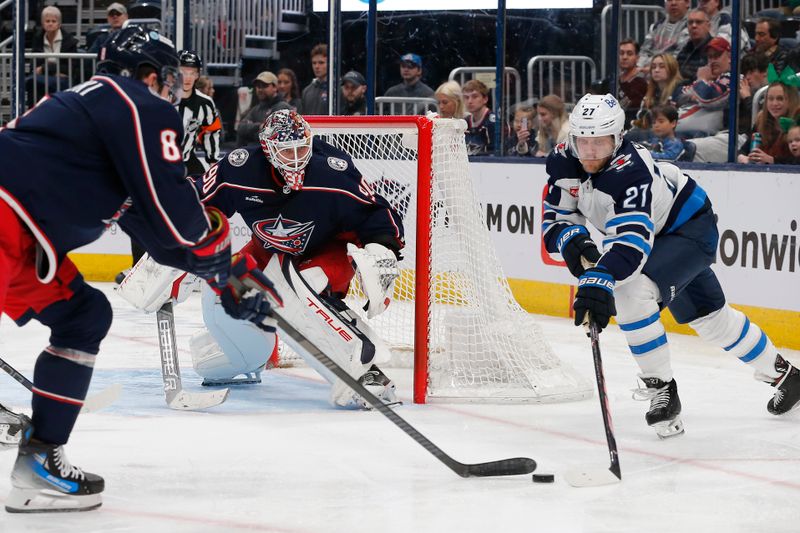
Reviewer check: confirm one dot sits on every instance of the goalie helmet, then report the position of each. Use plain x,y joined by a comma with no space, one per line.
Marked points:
596,116
286,140
133,47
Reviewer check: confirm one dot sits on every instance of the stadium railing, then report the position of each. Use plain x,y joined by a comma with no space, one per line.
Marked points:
487,76
396,105
568,77
634,24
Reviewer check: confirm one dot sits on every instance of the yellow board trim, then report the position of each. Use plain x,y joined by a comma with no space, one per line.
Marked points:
538,297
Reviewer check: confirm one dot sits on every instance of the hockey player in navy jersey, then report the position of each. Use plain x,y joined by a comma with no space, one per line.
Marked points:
106,151
660,240
303,199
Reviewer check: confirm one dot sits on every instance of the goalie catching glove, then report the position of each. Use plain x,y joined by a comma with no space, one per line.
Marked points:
249,295
376,268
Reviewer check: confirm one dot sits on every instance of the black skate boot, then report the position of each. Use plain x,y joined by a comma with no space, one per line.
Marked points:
43,481
12,427
787,394
665,406
379,384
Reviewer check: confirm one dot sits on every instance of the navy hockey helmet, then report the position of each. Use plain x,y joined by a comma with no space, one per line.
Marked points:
190,58
133,47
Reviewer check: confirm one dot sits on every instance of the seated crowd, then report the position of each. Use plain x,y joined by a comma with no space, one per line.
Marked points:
674,87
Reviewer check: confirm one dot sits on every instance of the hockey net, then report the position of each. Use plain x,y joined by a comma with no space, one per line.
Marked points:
453,316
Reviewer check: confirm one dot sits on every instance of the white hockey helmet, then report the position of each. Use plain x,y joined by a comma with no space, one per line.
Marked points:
593,117
286,140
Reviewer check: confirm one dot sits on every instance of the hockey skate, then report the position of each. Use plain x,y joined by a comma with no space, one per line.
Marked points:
665,406
379,384
787,395
245,378
12,427
43,481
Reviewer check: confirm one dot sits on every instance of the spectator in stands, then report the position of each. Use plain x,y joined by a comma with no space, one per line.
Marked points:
205,85
266,85
703,102
354,89
553,124
117,16
767,38
480,120
717,17
668,35
664,83
51,39
662,142
314,100
412,85
451,100
792,129
289,88
693,54
754,77
782,101
522,141
632,83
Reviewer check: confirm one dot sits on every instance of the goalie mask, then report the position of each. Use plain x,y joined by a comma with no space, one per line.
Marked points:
286,140
595,127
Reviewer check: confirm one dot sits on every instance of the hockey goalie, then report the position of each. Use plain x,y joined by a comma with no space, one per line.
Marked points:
306,201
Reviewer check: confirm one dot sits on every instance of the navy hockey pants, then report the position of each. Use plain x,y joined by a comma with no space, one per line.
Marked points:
680,265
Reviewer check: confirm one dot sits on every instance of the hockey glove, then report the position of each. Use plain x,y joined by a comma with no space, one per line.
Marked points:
578,249
210,258
249,295
595,296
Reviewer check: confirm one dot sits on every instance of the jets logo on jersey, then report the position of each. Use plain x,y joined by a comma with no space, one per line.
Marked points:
620,162
337,164
284,235
238,157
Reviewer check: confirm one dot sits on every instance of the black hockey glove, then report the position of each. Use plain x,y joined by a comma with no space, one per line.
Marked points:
595,296
249,295
576,243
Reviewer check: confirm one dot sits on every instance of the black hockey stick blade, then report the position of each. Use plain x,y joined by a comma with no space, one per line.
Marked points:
594,477
174,395
92,403
504,467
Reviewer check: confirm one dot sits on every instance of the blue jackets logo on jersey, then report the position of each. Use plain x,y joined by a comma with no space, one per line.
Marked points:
238,157
284,235
337,164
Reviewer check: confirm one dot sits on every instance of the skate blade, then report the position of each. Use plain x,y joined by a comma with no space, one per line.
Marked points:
48,501
669,428
233,381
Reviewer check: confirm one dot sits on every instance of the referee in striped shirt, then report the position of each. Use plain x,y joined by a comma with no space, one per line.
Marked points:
201,122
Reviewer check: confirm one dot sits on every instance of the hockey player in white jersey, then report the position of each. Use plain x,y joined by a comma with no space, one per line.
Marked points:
660,238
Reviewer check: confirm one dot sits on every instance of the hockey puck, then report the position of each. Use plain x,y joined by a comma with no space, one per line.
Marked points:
543,478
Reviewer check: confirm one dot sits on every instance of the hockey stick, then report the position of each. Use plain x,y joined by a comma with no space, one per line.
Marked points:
92,403
504,467
176,397
594,477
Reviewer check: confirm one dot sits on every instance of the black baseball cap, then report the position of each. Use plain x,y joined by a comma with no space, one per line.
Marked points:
354,77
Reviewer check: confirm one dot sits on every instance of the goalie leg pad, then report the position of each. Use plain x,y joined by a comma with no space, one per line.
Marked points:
229,347
323,324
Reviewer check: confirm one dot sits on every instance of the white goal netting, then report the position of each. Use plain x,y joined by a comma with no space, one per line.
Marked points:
481,345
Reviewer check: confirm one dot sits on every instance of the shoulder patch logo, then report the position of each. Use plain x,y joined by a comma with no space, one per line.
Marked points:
620,162
238,157
337,164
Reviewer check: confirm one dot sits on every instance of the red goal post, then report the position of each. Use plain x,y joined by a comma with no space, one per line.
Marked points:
452,305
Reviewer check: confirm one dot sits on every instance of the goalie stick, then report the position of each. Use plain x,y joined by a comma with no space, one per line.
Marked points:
503,467
175,396
594,477
92,403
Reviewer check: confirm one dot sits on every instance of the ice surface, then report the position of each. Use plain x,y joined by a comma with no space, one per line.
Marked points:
277,458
